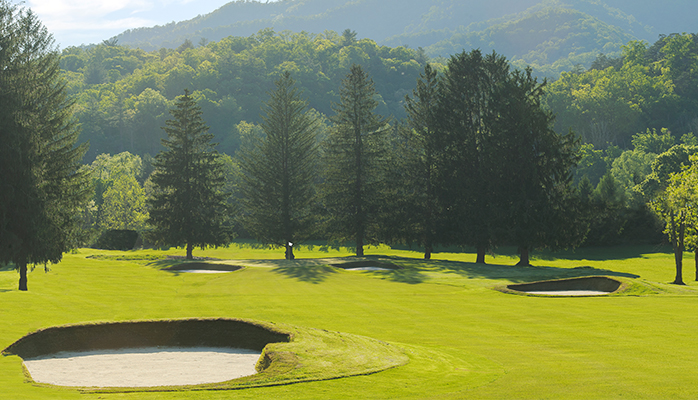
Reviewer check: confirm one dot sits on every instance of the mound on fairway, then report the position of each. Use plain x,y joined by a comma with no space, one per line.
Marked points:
288,354
586,286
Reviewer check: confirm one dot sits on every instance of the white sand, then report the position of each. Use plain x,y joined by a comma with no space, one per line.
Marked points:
570,292
157,366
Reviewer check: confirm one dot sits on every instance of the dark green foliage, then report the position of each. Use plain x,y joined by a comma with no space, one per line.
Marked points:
414,210
188,206
535,184
471,91
355,163
117,239
279,171
43,187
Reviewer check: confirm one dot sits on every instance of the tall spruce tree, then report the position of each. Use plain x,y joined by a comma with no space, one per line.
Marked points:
534,190
418,164
355,163
470,90
43,187
189,207
279,171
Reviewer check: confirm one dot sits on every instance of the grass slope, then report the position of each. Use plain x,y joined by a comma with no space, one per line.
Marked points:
463,339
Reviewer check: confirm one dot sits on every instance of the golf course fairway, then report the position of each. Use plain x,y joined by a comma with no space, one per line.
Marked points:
453,335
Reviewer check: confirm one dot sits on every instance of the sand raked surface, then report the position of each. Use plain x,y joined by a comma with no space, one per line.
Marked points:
146,367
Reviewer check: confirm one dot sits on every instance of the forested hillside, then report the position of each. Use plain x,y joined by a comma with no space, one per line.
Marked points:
550,35
123,94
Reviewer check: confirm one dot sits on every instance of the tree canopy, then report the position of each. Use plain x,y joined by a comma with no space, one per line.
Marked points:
188,206
43,186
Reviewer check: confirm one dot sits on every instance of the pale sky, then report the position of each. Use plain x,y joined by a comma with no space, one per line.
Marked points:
76,22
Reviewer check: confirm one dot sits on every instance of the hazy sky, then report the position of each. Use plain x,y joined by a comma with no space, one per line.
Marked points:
76,22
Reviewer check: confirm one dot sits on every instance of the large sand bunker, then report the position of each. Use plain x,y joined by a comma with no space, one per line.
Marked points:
587,286
144,354
143,367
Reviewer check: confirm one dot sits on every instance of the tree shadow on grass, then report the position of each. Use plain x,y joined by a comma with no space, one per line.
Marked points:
313,274
602,253
421,271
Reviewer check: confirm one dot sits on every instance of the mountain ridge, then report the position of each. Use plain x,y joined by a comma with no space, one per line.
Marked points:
441,27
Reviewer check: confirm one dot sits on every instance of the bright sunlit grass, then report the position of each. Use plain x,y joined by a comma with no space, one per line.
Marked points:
463,339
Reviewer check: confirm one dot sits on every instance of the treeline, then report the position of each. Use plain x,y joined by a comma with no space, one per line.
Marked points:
475,163
123,94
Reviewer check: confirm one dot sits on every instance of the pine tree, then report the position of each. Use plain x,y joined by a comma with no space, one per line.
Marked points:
188,207
535,190
355,162
468,110
43,187
418,165
279,171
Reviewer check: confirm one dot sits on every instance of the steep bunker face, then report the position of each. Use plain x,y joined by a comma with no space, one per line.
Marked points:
145,353
588,286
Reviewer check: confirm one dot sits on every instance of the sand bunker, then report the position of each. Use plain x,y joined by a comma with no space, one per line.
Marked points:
203,268
146,353
155,366
586,286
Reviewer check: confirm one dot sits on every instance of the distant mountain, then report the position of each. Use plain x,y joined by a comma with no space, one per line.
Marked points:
550,35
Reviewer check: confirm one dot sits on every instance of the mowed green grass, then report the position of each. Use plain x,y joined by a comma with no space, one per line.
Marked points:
464,340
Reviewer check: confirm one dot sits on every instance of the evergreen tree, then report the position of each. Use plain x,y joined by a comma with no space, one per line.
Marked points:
355,162
188,206
535,186
470,91
279,171
418,165
43,188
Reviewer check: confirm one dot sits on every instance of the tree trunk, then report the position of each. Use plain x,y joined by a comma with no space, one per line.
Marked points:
190,249
289,251
523,258
695,259
23,276
359,245
678,257
427,252
481,254
678,254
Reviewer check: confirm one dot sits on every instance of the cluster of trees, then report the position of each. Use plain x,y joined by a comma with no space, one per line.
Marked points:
476,163
123,94
648,87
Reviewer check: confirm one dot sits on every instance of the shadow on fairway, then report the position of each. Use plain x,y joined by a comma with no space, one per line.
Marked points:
418,271
604,253
312,274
